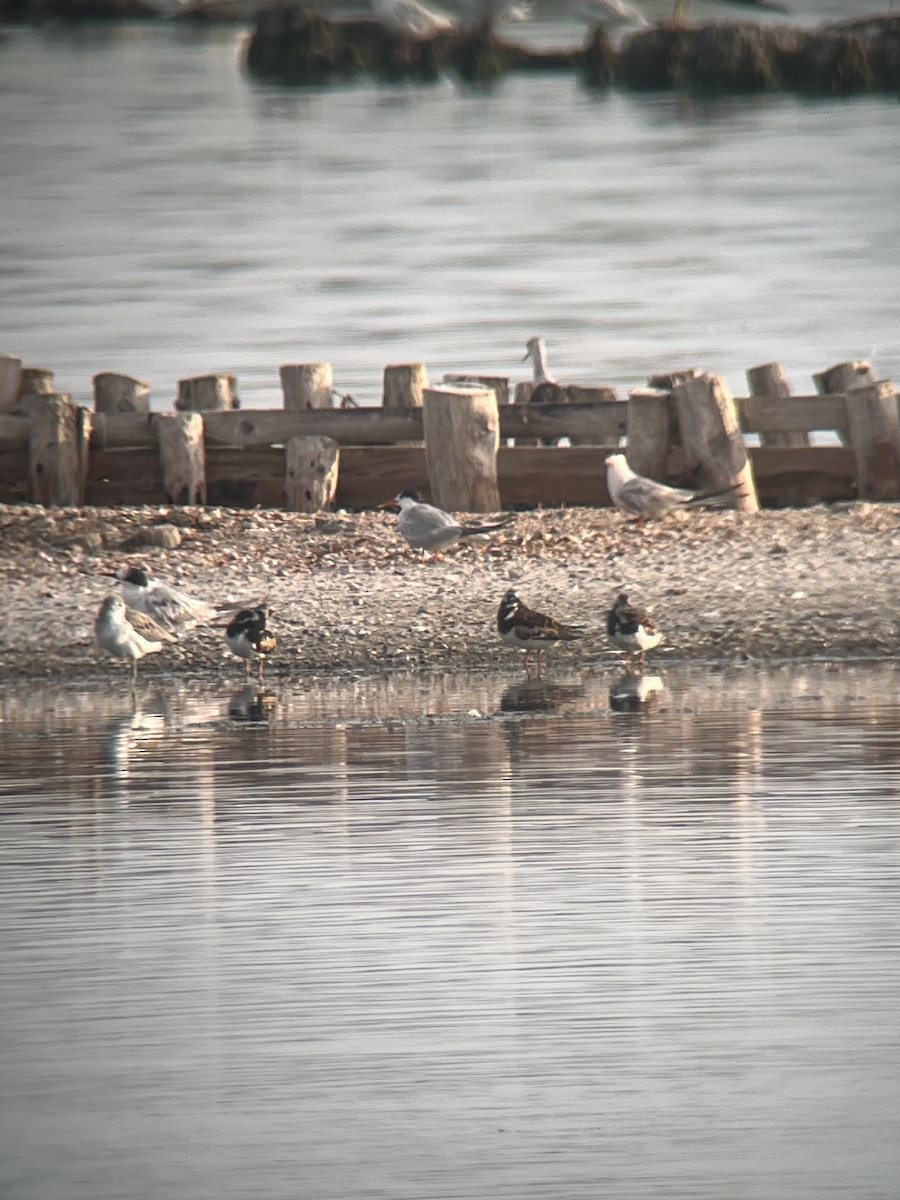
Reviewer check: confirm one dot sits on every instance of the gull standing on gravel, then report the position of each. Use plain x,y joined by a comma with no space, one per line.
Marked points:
410,20
641,497
631,629
429,529
248,637
129,635
167,606
529,630
612,16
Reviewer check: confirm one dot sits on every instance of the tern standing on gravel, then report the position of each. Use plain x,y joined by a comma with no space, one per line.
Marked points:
429,529
167,606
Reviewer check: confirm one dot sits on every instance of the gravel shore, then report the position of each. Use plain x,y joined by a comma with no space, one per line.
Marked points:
346,592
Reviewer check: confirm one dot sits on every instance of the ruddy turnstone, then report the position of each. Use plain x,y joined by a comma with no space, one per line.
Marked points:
429,529
640,497
128,635
248,637
528,630
168,606
631,629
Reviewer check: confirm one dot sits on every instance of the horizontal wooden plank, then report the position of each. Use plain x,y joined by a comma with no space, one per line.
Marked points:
13,433
792,414
801,475
347,426
551,475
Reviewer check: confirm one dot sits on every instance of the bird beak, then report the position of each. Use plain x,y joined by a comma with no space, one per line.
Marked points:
526,356
389,504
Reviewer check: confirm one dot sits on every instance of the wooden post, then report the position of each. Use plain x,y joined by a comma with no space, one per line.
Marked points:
841,378
875,437
182,456
711,436
522,395
462,434
114,393
770,379
207,393
10,375
36,381
59,435
311,473
648,431
404,385
500,383
666,380
307,385
579,393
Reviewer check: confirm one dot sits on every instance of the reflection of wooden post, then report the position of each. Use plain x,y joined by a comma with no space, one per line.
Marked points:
10,375
307,385
114,393
59,434
207,393
648,431
462,434
711,437
36,381
875,437
770,379
404,385
182,456
311,473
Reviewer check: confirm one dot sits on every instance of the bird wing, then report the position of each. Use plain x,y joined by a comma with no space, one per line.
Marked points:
147,627
644,496
172,606
424,519
533,625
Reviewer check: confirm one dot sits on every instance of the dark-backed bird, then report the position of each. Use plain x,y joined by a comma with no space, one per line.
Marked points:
128,635
631,629
168,606
640,497
529,630
248,637
429,529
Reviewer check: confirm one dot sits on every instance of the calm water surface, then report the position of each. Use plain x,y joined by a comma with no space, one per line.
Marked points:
453,937
164,215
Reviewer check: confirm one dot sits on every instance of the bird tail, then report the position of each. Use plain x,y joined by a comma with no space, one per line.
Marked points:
468,531
721,494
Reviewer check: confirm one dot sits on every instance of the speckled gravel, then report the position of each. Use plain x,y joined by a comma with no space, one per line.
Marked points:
346,592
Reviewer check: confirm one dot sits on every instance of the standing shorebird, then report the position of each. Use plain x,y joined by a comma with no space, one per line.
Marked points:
128,635
429,529
248,638
167,606
544,388
529,630
640,497
631,629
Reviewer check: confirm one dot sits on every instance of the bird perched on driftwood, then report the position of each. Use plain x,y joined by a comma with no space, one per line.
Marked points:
614,17
248,637
167,606
631,629
544,388
128,635
529,630
640,497
429,529
409,20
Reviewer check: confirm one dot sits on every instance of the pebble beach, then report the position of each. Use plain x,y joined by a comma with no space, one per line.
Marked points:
347,594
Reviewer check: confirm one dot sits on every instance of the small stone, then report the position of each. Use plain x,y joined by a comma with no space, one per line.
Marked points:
165,537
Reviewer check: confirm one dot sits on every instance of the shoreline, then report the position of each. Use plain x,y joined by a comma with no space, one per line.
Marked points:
346,593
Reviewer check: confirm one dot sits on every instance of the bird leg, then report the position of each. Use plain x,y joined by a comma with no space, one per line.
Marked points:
260,665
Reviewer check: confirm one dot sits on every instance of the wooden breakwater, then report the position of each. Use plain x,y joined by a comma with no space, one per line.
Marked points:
472,443
292,43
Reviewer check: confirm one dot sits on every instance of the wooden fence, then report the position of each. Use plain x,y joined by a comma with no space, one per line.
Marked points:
471,443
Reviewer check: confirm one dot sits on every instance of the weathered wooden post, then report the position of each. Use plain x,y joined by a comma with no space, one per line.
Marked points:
648,430
59,435
770,379
207,393
500,383
404,385
522,395
311,473
839,379
462,434
875,437
307,385
711,436
115,393
182,456
36,381
582,393
10,375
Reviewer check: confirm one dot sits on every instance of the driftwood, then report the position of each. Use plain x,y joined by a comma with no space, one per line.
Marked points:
311,473
404,385
649,431
462,434
10,375
36,381
207,393
875,436
115,393
182,456
58,448
711,437
770,379
498,383
307,385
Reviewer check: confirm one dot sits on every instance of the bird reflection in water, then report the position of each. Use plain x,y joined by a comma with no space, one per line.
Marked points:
635,693
536,695
252,706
